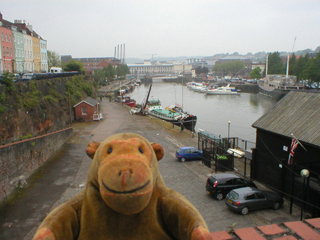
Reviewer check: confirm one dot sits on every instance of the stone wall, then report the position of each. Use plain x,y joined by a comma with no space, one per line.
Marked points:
19,160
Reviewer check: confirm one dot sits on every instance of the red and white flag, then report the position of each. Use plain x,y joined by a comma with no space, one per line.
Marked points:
294,144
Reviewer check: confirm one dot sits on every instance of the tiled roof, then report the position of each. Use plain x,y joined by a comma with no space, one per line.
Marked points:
297,113
89,100
299,230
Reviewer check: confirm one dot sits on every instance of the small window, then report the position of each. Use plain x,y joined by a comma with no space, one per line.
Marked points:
84,110
260,195
250,197
230,182
238,181
233,195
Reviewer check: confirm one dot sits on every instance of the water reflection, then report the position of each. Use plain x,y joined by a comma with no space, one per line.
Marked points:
213,111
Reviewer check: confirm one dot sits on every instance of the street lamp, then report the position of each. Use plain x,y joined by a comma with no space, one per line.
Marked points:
228,131
305,174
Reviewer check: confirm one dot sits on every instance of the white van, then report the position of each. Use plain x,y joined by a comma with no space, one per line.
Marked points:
55,70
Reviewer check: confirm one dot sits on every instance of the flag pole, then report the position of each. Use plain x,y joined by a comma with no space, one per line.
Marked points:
298,142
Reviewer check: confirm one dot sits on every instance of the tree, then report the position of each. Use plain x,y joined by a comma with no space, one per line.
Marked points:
53,59
122,70
99,77
110,72
313,69
301,67
200,70
275,64
229,68
292,64
255,73
74,65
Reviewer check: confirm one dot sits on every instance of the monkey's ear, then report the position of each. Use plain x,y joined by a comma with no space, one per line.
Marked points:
158,149
92,148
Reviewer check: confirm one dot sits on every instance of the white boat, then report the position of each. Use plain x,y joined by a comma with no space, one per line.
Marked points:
223,91
236,152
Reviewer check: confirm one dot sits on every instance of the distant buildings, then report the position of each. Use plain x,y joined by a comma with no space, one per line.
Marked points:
91,64
22,49
159,68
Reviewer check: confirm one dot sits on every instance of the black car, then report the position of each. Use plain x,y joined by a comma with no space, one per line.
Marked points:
219,185
246,199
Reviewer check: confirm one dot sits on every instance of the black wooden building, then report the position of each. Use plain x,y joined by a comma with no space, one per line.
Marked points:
296,115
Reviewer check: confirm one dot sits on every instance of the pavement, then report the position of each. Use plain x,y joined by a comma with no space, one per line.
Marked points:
65,174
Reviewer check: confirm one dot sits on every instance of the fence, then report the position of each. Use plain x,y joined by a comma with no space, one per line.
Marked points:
226,154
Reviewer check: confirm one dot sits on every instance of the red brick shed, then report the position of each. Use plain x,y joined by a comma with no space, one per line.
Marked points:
87,110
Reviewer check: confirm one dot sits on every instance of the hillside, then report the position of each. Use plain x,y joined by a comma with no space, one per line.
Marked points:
33,108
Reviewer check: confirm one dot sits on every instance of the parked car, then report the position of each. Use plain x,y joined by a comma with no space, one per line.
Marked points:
16,77
219,185
28,76
246,199
188,153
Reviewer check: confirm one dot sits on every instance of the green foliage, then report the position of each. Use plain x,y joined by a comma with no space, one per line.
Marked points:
77,88
3,97
53,59
108,73
122,70
27,136
231,228
2,108
32,99
231,67
8,82
275,64
55,94
50,99
74,65
200,70
255,73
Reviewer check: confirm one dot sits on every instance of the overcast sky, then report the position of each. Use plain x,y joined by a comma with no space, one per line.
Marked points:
169,28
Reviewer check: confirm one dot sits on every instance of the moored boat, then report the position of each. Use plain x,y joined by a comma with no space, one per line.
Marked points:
278,86
227,90
127,100
173,114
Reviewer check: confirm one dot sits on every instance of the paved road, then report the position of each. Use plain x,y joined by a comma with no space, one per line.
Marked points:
65,175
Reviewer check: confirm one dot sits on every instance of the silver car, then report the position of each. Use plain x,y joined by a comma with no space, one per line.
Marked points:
247,199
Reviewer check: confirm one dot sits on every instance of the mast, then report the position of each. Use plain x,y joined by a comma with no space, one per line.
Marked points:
144,105
182,87
267,64
287,72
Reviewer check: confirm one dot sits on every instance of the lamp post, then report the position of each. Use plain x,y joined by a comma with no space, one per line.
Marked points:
305,174
228,131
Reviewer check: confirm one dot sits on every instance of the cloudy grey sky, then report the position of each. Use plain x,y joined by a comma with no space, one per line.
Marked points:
169,28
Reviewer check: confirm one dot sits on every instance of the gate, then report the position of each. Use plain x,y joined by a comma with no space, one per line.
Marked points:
226,154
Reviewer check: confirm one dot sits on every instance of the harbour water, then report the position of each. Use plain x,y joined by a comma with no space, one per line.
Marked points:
213,111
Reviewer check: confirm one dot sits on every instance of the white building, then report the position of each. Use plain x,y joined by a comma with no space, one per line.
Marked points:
157,68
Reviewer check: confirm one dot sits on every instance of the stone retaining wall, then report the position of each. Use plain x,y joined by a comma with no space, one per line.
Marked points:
19,160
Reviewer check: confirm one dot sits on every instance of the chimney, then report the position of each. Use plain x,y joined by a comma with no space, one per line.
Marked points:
1,16
29,27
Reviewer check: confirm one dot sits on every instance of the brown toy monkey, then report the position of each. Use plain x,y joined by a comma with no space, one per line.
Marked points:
124,198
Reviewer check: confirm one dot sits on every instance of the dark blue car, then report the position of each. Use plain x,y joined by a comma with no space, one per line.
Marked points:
188,153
